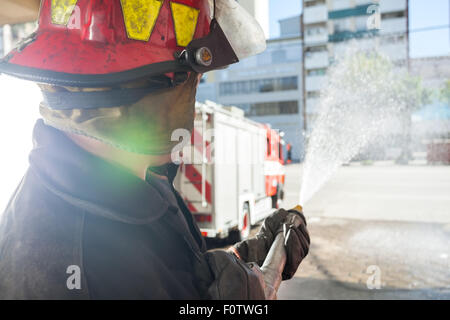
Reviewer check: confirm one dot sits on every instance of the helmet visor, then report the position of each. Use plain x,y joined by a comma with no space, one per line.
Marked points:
243,32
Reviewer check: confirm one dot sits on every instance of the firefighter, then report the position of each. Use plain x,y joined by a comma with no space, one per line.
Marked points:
289,153
96,215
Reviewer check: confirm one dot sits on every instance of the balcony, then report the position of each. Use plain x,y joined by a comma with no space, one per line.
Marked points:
315,14
396,25
316,38
348,35
392,5
315,83
349,12
364,44
316,60
341,4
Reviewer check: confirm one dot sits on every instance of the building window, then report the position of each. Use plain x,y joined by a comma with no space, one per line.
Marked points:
393,15
341,25
279,56
316,49
290,83
316,72
267,85
272,108
313,95
258,86
314,3
288,107
313,31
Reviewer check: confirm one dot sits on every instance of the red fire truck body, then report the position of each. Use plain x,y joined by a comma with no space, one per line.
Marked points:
274,172
232,173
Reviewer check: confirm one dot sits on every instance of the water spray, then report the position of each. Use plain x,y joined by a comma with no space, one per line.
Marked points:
357,106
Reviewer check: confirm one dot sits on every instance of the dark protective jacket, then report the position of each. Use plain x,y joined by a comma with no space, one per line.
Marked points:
78,227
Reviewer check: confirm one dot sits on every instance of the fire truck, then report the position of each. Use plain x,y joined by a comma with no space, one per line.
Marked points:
232,174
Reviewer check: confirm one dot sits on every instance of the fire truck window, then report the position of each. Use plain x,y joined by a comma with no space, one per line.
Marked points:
269,147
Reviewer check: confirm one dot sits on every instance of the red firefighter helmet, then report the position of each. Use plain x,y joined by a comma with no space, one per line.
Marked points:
94,43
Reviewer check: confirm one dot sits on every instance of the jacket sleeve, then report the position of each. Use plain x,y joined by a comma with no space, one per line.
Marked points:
231,278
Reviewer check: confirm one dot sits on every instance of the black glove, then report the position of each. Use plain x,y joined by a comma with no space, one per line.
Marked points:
297,246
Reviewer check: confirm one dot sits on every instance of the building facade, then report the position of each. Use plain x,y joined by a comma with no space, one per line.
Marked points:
267,87
290,27
330,24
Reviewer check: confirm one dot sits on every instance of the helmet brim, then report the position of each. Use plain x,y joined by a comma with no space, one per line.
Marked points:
73,62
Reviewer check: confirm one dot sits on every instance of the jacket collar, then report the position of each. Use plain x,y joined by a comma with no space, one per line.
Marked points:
99,187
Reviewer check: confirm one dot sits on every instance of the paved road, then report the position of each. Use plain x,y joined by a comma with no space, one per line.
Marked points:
381,226
378,192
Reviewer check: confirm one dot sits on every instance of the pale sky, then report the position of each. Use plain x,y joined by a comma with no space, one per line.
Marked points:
423,14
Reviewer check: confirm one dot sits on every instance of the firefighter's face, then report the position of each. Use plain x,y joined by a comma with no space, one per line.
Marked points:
144,127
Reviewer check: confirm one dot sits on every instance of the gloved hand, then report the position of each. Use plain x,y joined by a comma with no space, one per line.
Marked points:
257,248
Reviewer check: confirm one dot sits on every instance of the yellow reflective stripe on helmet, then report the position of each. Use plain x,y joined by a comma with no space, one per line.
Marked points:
185,21
140,17
62,10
